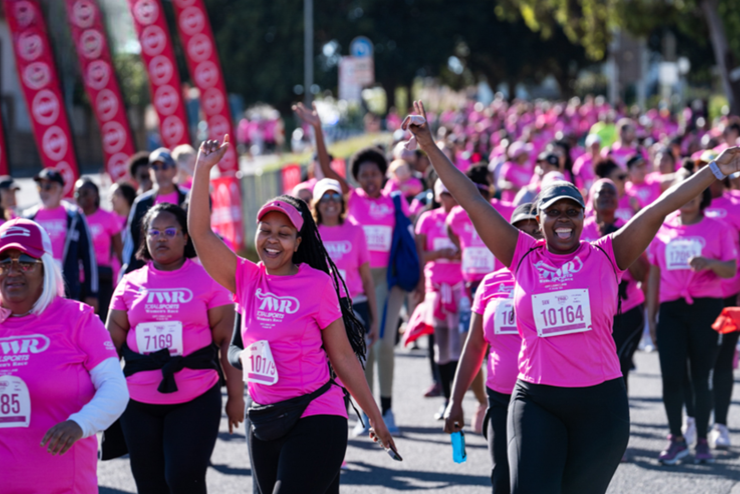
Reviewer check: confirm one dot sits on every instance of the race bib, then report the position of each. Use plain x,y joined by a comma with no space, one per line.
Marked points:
258,364
477,260
562,312
15,402
440,243
153,336
679,251
378,237
504,321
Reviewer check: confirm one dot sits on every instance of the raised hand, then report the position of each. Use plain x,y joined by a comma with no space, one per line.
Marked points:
211,152
729,160
311,117
419,127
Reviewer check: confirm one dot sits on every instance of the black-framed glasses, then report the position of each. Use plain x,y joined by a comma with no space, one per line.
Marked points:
25,263
167,232
331,196
161,166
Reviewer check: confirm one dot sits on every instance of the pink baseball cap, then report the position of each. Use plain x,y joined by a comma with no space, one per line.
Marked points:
288,210
25,235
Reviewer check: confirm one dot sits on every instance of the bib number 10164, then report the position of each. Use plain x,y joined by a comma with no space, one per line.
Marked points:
562,312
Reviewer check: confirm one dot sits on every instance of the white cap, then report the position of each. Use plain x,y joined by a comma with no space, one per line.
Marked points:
592,139
325,185
439,188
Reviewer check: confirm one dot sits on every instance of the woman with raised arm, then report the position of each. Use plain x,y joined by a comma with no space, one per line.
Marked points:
372,208
292,321
569,416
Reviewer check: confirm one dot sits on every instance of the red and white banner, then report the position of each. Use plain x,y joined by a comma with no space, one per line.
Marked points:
88,33
4,168
164,80
205,71
38,76
226,217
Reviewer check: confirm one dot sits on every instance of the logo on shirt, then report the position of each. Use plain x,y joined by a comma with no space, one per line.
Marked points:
337,249
504,288
550,274
715,213
16,350
165,300
275,303
378,210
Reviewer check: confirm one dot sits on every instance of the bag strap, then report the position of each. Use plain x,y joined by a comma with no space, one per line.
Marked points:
524,257
616,277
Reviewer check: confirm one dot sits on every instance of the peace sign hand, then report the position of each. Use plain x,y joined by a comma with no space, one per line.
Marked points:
729,160
419,127
211,152
311,117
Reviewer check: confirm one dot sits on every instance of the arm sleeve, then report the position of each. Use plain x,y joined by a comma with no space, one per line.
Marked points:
523,243
363,252
421,225
86,253
329,310
245,271
237,345
108,403
728,245
118,300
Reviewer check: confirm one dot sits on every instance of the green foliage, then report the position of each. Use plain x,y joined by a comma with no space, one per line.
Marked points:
133,79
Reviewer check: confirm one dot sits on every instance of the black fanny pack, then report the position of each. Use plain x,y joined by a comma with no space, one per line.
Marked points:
271,422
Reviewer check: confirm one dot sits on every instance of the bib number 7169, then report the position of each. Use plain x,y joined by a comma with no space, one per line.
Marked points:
562,312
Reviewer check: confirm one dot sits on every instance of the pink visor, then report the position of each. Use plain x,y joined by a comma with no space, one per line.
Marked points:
282,207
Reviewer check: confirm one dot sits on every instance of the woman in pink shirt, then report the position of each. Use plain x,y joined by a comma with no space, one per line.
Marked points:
168,320
516,172
374,209
569,416
690,256
493,325
627,206
105,228
294,326
65,383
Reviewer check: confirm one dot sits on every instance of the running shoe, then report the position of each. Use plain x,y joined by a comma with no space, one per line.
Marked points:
440,414
478,417
390,423
360,429
719,437
702,453
674,452
433,391
688,429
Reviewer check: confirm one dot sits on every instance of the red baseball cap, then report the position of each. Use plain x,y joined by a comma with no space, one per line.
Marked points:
25,235
288,210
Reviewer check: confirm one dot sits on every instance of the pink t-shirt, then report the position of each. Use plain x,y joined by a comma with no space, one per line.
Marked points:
635,295
494,300
442,271
45,364
178,301
565,307
54,221
408,188
583,171
103,225
675,244
377,217
621,154
725,209
519,175
477,259
625,211
172,198
347,247
289,313
646,193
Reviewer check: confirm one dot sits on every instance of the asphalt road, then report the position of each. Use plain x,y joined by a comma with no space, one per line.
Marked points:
428,464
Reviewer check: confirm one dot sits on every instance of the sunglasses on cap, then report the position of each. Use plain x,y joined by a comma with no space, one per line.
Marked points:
331,196
161,166
25,263
167,232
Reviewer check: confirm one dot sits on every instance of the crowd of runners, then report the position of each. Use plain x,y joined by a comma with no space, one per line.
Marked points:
541,238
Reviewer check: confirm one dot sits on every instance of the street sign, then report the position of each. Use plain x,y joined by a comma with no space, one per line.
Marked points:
354,75
361,47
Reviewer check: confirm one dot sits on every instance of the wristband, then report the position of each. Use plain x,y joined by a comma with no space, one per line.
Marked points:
717,172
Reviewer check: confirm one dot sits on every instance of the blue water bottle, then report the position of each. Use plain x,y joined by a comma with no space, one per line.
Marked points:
458,447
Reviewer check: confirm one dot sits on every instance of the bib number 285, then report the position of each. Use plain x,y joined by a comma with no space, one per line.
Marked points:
15,402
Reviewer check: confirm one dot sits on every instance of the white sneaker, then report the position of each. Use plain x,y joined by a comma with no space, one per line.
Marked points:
440,414
360,429
390,423
688,429
719,437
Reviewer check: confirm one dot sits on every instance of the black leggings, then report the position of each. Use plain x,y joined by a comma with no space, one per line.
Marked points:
566,440
498,406
305,461
171,445
447,377
627,332
685,333
723,372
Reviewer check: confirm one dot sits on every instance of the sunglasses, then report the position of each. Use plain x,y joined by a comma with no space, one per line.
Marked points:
333,196
25,263
161,166
167,232
46,187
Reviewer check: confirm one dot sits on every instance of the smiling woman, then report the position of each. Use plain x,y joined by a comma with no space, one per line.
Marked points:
67,384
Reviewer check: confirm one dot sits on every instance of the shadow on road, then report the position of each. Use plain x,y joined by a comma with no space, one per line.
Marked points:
372,475
726,465
227,470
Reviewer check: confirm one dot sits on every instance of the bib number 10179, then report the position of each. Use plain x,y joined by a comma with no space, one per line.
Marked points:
562,312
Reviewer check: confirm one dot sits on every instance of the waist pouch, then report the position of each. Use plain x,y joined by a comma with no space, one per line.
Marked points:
271,422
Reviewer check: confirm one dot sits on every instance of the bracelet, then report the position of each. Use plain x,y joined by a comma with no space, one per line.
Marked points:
717,172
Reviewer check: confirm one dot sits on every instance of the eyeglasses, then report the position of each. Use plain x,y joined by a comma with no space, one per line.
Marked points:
333,196
571,213
25,263
46,187
161,166
167,232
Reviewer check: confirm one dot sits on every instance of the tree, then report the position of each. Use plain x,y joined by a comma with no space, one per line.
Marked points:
591,23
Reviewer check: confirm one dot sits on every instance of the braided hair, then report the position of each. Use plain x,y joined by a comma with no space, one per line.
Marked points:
312,252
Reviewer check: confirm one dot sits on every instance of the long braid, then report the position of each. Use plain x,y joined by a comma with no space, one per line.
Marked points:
312,252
